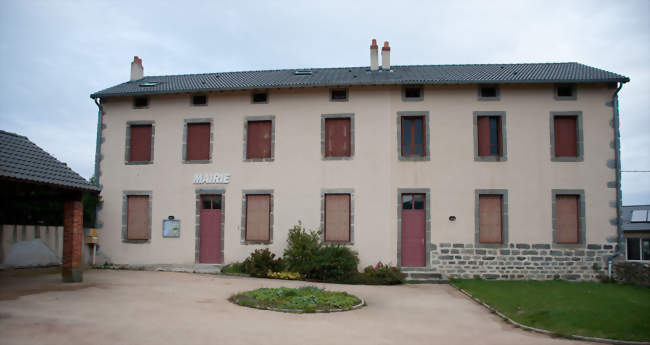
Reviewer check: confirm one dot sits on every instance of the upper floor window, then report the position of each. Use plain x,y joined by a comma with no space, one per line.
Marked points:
489,140
566,136
197,146
198,100
412,93
562,92
140,102
139,142
337,137
259,97
338,95
413,136
488,93
259,138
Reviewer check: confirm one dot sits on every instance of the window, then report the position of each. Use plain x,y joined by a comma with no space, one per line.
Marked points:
568,229
199,100
337,218
137,209
566,136
337,137
259,139
197,142
259,98
640,216
139,142
413,136
488,93
564,92
338,95
140,102
412,93
490,221
413,201
258,218
638,249
489,136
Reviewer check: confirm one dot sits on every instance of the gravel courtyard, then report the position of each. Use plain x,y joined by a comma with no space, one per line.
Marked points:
135,307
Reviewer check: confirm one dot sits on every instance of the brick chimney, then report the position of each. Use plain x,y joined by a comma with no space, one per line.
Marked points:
137,71
374,59
385,56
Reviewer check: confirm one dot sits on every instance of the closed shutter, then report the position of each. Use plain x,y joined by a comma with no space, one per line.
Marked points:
258,218
490,223
337,137
567,225
258,142
140,143
337,217
137,226
483,132
565,132
198,141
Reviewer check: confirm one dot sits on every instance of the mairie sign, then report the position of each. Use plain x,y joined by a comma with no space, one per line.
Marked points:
211,178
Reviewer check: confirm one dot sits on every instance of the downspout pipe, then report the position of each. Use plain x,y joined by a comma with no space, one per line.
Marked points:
98,149
619,194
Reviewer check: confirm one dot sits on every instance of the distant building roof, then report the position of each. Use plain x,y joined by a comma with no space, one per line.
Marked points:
566,72
21,159
628,224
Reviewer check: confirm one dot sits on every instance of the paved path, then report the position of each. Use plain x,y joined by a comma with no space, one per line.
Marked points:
130,307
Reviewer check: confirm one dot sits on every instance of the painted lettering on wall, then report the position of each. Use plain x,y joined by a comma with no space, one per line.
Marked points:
211,178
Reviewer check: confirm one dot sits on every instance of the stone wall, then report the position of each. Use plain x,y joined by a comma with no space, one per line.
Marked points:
521,261
632,273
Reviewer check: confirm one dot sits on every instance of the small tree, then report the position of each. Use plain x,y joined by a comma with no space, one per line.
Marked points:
302,246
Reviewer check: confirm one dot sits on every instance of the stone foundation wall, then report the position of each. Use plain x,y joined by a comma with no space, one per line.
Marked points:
521,261
632,273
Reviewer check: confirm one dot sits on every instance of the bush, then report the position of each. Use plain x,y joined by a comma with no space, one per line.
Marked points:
380,274
302,246
334,263
285,275
262,261
235,267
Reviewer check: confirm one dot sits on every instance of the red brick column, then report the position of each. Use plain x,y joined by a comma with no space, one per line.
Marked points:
72,241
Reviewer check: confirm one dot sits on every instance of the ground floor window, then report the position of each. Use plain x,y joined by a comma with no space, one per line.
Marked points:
638,249
337,218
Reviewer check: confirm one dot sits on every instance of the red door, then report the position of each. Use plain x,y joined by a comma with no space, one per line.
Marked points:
210,230
413,230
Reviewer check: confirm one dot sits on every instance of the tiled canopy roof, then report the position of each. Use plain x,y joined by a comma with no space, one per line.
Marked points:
568,72
21,159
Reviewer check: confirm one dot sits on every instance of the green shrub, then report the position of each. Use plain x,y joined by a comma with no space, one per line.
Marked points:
334,263
380,274
235,267
302,246
261,261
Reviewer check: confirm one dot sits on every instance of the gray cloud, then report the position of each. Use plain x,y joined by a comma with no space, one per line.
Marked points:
54,54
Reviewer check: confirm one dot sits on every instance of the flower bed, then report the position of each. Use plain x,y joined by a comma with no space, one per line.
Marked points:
306,299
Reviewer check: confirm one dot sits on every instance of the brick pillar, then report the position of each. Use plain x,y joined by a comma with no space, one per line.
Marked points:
72,241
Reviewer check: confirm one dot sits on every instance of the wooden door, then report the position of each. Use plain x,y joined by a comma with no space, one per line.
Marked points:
413,230
210,230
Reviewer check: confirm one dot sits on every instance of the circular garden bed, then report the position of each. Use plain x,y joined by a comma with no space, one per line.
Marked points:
307,299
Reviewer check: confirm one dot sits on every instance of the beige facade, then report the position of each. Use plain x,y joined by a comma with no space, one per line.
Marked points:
297,173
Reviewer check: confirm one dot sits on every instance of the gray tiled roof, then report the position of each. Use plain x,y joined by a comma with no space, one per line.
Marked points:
21,159
626,217
568,72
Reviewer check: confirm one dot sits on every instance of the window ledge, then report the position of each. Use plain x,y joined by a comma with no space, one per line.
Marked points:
490,158
335,158
567,159
197,161
259,159
568,245
138,163
136,241
247,242
414,158
492,245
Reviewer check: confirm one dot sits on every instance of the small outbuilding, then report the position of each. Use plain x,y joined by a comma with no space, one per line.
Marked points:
30,179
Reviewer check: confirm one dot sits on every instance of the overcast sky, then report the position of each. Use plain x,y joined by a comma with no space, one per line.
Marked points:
55,53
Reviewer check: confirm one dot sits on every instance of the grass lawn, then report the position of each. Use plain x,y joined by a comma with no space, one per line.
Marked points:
582,308
306,299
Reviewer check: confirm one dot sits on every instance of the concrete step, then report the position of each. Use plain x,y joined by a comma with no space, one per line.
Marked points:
425,276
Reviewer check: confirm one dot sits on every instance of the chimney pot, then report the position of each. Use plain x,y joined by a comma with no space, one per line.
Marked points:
385,56
137,71
374,58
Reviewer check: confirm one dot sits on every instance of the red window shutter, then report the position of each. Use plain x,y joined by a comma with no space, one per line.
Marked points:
490,222
137,224
567,223
337,217
337,137
258,139
483,133
566,142
258,218
198,141
140,143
